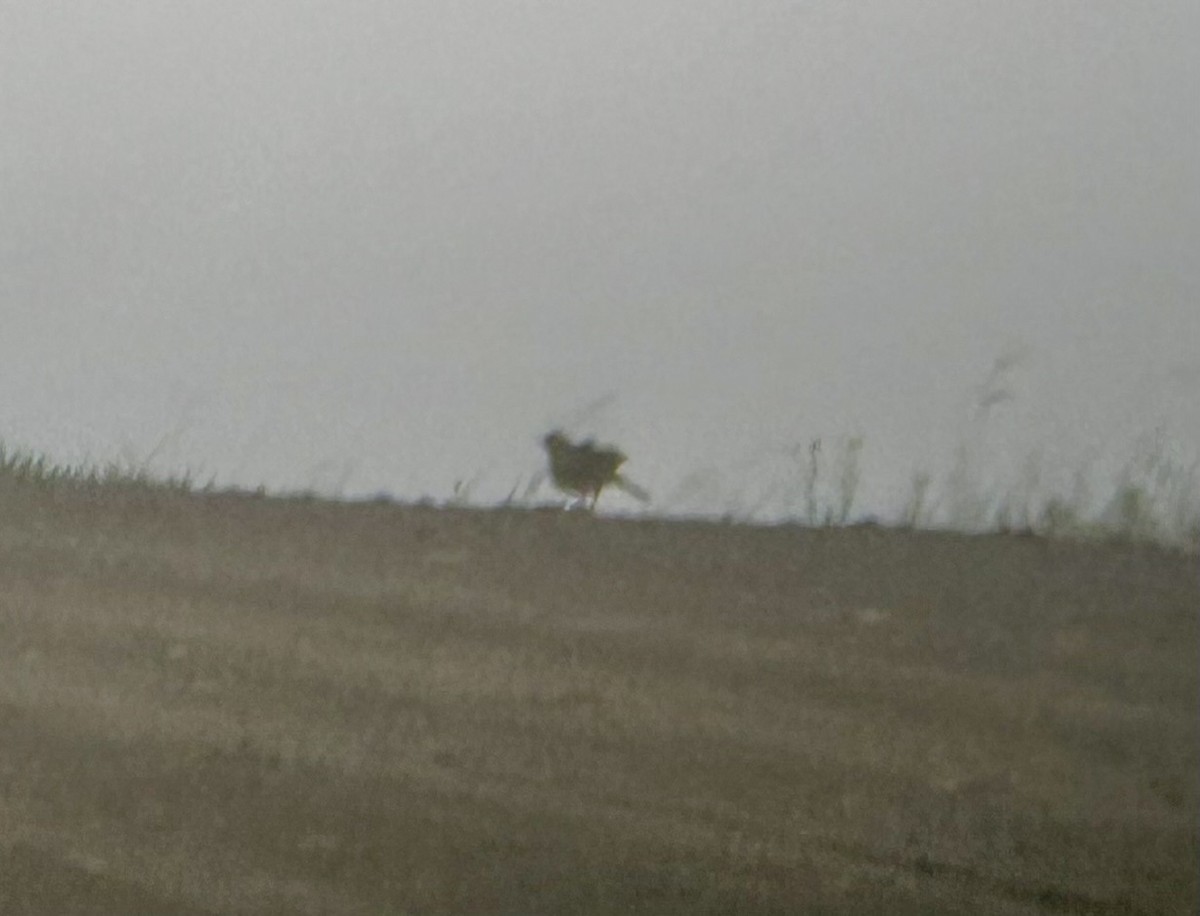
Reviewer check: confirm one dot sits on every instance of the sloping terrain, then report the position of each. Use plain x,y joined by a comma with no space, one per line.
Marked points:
229,704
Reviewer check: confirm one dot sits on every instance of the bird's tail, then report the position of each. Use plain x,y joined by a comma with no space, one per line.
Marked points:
623,483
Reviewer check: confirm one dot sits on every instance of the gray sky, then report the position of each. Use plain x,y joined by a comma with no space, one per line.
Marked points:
385,244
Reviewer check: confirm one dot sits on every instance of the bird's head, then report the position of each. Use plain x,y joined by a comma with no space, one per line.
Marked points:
555,440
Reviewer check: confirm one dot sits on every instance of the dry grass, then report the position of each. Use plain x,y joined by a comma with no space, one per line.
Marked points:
219,703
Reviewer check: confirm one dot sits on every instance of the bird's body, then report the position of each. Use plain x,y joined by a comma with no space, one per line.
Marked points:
585,469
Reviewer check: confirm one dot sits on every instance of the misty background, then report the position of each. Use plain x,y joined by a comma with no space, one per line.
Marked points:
384,245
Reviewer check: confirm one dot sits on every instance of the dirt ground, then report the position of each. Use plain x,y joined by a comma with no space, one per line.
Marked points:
233,704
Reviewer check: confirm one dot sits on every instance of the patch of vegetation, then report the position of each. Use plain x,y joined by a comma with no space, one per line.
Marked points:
1153,498
24,468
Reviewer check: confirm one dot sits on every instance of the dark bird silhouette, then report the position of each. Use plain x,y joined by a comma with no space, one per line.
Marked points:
585,468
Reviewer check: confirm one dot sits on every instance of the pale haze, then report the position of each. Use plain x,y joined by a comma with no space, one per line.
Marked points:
371,246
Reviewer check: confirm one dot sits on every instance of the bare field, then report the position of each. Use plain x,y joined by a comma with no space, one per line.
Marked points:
228,704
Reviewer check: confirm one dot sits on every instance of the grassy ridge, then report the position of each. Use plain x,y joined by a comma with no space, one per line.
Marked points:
1154,498
220,703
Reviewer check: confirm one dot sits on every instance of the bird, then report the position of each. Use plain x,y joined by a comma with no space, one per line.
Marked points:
585,468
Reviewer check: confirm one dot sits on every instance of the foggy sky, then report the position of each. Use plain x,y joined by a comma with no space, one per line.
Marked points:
383,245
